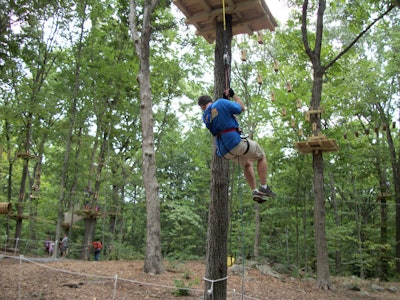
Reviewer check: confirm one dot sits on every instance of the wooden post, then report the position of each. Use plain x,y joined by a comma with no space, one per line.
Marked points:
218,217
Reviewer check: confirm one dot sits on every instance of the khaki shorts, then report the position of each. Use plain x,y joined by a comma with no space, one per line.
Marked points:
254,153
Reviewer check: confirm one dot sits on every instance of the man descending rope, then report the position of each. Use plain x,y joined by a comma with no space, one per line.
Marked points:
219,117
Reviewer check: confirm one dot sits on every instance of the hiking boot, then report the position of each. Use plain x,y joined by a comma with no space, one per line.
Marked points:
258,197
266,191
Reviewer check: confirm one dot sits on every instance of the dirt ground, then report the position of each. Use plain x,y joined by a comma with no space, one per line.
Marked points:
71,279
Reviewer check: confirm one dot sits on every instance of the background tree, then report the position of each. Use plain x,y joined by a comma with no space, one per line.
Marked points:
141,38
319,69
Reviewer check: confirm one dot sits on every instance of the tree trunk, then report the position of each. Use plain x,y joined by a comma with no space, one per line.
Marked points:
35,188
22,190
384,264
91,220
90,226
218,217
338,253
321,247
153,258
384,192
323,280
21,201
257,232
113,212
10,175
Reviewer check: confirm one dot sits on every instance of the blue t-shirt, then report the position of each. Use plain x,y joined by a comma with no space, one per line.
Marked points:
219,117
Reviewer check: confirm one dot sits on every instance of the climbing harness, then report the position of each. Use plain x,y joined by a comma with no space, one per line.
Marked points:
226,131
243,137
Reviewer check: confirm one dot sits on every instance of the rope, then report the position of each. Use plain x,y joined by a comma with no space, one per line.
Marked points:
211,290
223,13
226,55
115,278
242,226
227,71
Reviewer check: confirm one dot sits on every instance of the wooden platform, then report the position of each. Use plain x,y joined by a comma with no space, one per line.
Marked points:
248,16
18,217
383,196
88,213
317,144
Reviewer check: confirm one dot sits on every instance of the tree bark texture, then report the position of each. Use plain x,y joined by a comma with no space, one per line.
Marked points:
257,233
24,177
90,226
218,217
153,258
323,281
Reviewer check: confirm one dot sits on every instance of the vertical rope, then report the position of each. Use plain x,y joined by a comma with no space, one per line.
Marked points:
242,227
223,13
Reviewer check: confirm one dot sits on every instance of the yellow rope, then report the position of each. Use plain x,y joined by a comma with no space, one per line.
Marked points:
223,13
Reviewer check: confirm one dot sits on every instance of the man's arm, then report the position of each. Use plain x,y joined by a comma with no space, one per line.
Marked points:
238,100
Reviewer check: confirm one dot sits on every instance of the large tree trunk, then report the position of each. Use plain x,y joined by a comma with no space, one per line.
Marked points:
21,201
384,263
218,218
338,253
22,190
323,280
323,277
90,226
153,258
257,232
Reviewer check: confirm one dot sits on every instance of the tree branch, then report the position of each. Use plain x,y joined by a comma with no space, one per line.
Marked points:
320,27
304,30
132,25
360,35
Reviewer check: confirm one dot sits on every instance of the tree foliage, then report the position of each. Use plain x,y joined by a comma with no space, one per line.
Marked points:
69,73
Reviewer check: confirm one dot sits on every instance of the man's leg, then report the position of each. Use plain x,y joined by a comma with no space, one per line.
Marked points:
249,175
262,169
